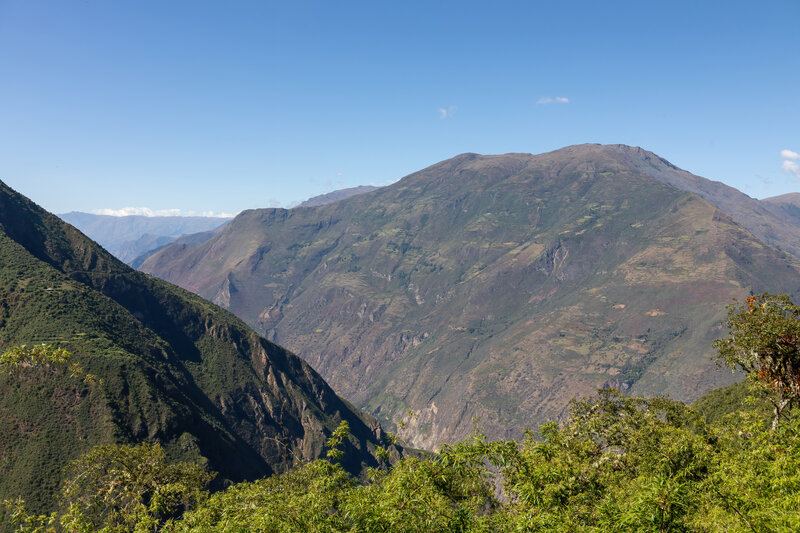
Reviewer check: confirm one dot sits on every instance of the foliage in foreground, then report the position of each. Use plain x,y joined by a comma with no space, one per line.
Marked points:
119,488
764,341
619,464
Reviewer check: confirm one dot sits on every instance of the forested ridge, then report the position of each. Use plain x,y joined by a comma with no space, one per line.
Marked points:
154,364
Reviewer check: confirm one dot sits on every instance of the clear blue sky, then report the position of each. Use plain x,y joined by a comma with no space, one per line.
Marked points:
223,106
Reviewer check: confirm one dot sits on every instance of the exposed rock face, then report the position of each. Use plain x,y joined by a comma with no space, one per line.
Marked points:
497,287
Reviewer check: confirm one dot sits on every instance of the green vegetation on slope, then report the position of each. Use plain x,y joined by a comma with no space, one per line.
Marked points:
157,364
619,464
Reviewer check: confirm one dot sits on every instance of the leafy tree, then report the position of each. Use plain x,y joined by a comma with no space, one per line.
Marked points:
307,498
764,341
618,464
448,493
18,357
127,488
336,440
118,488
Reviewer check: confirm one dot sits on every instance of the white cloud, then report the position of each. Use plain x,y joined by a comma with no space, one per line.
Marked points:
556,100
142,211
147,212
791,166
789,157
212,214
447,112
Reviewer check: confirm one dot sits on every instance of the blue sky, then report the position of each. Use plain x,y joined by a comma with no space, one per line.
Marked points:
222,106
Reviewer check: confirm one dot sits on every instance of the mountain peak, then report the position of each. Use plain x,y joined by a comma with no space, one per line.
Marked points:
497,286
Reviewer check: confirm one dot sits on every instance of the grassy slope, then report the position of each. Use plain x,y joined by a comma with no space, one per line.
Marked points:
771,220
171,367
492,286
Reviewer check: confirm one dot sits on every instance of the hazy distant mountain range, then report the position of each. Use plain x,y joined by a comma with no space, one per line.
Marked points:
133,238
502,286
130,236
157,364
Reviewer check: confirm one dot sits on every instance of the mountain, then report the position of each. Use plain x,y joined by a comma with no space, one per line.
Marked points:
760,217
335,196
497,287
157,363
788,206
149,244
189,239
131,236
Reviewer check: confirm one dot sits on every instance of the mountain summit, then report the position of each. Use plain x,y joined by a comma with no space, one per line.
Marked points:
499,286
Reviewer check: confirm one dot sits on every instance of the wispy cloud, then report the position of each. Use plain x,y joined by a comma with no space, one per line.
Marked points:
556,100
447,112
789,164
764,179
147,212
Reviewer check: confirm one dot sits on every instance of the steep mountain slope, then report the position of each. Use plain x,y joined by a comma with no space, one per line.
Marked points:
131,236
492,286
190,239
760,217
788,205
167,366
335,196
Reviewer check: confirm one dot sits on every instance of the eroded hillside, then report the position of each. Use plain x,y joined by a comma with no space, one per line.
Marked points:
497,287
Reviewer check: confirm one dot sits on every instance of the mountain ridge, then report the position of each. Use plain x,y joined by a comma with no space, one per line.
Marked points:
337,195
494,286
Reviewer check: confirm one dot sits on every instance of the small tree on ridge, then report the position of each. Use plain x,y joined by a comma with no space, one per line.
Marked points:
764,341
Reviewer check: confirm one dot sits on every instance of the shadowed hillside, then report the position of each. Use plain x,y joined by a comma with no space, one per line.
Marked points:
156,363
